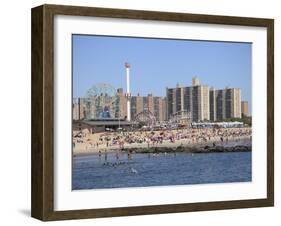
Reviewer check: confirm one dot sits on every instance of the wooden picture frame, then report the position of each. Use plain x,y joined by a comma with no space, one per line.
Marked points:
42,203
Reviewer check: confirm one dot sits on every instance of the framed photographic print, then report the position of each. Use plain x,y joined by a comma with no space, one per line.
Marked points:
141,112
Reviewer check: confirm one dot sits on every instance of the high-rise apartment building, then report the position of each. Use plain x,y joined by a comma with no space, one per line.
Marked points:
228,103
155,105
204,103
204,106
235,106
160,107
75,108
194,99
244,108
175,100
121,105
220,104
213,105
79,108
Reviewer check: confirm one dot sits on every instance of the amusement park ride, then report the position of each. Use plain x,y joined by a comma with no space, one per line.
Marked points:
101,101
102,104
128,93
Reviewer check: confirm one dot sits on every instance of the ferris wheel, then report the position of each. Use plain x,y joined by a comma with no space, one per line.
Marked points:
101,102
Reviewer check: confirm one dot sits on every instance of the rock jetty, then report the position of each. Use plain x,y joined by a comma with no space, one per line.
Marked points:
192,149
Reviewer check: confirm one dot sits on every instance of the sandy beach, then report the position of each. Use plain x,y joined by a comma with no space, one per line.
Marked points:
86,143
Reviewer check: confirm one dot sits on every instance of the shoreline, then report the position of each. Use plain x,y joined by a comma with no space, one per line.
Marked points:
232,145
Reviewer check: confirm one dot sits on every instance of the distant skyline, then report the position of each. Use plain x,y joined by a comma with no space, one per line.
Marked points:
160,63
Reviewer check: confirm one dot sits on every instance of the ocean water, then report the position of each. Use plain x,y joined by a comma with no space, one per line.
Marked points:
94,172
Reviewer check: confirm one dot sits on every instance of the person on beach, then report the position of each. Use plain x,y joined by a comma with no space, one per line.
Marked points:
147,139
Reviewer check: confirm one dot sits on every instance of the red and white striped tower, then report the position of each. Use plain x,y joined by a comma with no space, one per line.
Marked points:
128,92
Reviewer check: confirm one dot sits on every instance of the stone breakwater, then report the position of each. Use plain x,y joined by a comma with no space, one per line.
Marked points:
192,149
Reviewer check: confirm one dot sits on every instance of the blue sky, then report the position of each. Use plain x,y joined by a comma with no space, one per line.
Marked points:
159,63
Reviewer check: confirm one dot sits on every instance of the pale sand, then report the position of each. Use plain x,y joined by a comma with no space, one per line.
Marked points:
89,142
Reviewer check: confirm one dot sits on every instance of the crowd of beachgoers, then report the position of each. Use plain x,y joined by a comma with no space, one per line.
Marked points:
83,141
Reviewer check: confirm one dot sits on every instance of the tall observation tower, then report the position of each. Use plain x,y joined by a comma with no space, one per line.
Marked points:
128,92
